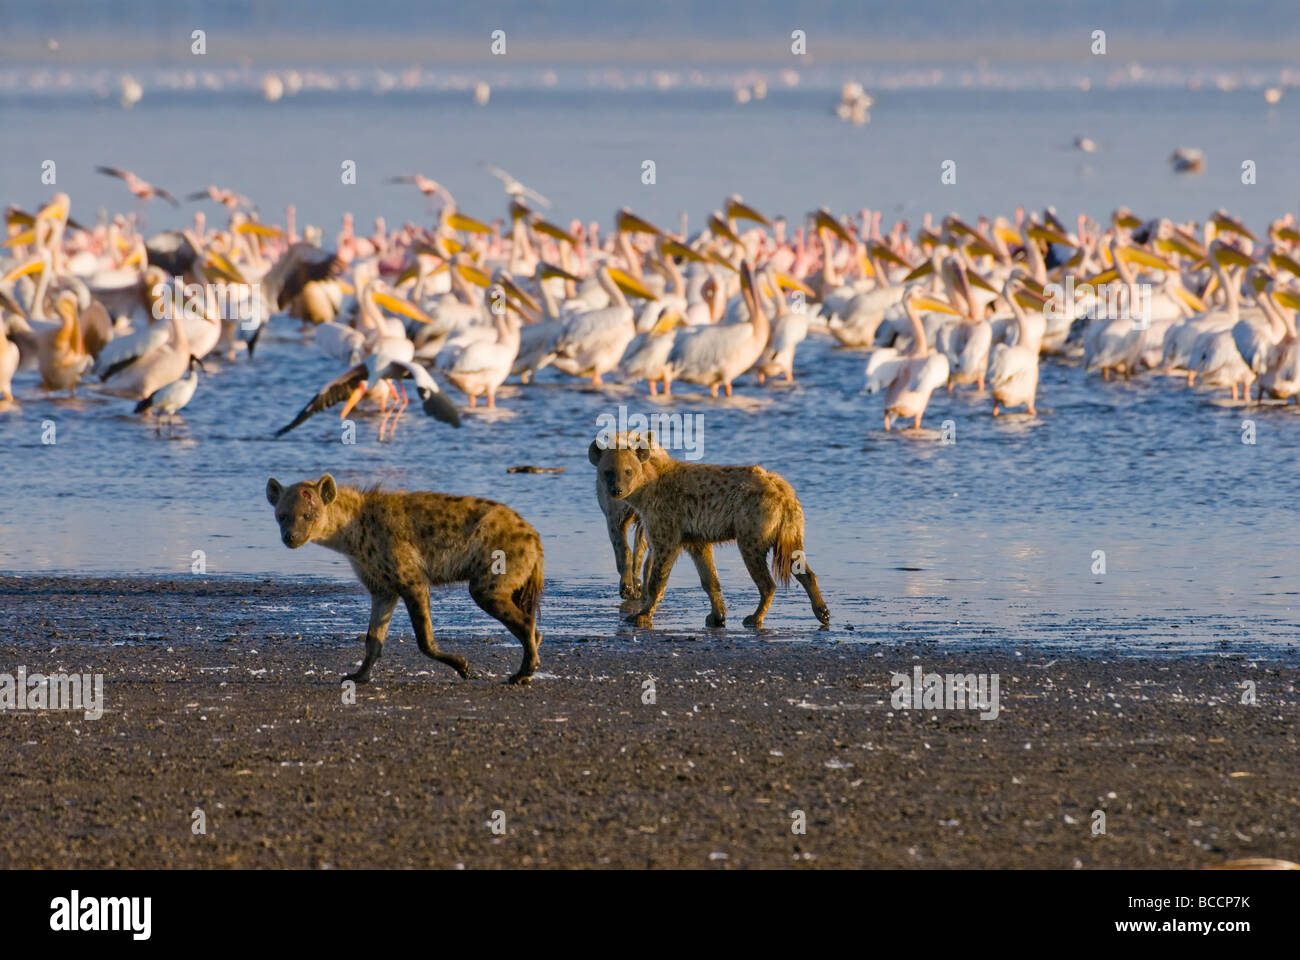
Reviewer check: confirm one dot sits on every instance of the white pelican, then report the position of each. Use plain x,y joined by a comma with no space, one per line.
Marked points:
1281,378
141,375
910,377
1013,370
168,400
63,357
9,357
715,356
592,343
789,328
484,365
354,383
646,357
965,343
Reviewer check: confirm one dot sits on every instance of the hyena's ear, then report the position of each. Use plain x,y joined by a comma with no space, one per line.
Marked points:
643,452
273,491
327,488
594,452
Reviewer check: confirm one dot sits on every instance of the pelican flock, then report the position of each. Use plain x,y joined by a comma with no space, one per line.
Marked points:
458,306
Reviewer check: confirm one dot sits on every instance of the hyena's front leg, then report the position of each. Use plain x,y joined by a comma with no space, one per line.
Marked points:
416,599
382,606
661,565
702,554
622,556
638,559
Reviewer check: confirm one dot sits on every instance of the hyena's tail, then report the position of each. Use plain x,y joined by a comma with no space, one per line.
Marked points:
789,540
529,596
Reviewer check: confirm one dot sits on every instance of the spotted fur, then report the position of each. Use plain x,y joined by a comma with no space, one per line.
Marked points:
691,506
400,544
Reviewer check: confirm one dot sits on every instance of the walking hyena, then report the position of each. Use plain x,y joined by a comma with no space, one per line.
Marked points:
694,505
402,543
619,515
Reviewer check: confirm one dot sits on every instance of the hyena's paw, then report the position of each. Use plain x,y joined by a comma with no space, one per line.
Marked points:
461,666
755,621
358,677
640,620
629,591
713,620
823,614
520,679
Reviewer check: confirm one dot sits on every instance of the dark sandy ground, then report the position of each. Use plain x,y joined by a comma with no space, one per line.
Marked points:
252,730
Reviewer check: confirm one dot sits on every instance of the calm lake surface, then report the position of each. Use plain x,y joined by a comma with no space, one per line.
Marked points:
992,537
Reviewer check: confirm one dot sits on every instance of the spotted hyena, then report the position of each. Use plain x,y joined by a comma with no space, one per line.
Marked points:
691,506
400,544
619,515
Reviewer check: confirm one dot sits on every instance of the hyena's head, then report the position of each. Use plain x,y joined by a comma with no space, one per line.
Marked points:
621,463
300,508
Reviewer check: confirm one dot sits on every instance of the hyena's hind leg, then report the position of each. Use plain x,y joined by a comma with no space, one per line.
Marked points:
702,554
516,608
416,599
381,613
755,557
809,581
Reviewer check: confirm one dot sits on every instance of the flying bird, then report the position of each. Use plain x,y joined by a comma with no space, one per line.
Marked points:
141,188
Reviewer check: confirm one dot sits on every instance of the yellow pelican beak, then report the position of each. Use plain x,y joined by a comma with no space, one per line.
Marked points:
1193,302
346,288
1106,276
977,281
27,236
886,255
738,210
671,248
34,265
1029,299
518,211
1288,298
549,272
474,275
1229,256
668,320
1126,219
722,261
1144,258
398,305
558,233
54,210
629,284
1281,261
1048,235
1225,222
458,221
926,302
924,270
258,229
1006,234
520,295
1178,245
824,221
629,222
1289,234
719,227
787,282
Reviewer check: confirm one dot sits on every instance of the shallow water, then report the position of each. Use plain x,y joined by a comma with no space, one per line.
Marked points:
992,536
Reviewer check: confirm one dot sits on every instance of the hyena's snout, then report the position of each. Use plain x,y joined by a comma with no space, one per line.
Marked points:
291,540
